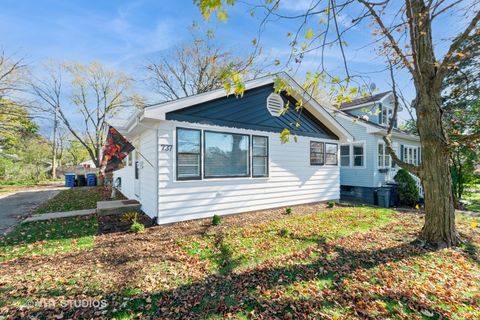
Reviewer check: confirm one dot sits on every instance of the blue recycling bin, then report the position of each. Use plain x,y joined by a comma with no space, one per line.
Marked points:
91,179
69,180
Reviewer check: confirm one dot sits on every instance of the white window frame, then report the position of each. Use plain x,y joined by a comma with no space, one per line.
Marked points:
351,165
413,158
349,154
386,155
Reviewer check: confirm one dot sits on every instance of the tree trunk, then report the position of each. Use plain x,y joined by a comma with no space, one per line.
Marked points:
439,225
54,146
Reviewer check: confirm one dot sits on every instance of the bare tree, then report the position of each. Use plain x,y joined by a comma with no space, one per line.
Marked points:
84,97
403,31
198,67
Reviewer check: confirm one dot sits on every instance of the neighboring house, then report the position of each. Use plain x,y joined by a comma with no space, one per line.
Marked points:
365,163
214,153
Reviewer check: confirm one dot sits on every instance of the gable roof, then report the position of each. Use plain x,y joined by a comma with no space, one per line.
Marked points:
365,100
376,128
159,111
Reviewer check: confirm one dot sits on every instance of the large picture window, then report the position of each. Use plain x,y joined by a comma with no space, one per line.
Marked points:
226,155
331,153
188,154
259,156
317,155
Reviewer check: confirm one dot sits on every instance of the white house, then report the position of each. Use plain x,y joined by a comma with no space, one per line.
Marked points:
214,153
365,165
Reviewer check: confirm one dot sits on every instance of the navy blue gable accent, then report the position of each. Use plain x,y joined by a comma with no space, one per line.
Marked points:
250,112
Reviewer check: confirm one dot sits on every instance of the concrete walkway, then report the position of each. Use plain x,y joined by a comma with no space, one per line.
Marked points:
14,206
58,215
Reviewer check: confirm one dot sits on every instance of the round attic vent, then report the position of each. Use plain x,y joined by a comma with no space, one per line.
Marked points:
275,104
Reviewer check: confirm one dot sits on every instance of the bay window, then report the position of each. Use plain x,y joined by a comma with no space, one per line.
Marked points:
188,154
226,155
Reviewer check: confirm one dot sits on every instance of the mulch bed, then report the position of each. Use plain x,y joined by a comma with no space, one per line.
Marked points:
113,223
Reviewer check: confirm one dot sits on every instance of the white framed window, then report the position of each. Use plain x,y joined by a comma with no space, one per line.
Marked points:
387,116
358,155
411,154
383,156
345,155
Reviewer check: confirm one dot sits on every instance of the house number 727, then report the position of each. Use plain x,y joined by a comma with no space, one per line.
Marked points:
166,147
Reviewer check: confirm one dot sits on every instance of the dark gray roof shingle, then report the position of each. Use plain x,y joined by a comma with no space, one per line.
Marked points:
360,101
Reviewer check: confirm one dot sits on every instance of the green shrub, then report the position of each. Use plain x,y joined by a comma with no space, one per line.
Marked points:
331,204
288,211
407,188
284,232
216,220
137,227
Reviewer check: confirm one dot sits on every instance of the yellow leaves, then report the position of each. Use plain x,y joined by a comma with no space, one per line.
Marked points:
309,34
474,224
222,16
285,136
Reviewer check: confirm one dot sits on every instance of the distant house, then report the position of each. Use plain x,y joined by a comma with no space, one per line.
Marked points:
214,153
364,163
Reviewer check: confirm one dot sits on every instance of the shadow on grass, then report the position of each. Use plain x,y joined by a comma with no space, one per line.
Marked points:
232,293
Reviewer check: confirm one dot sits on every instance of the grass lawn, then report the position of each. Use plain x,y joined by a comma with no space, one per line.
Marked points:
75,199
474,199
340,263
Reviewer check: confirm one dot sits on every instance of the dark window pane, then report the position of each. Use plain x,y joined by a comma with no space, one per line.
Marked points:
344,150
358,161
226,155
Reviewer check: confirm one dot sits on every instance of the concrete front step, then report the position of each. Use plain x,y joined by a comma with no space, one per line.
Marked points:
58,215
117,207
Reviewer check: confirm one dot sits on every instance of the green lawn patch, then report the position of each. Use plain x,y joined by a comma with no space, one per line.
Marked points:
75,199
49,237
249,246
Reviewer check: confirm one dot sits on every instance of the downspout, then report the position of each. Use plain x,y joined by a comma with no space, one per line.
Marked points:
157,183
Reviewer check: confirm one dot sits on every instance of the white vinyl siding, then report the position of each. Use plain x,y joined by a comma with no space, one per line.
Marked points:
291,180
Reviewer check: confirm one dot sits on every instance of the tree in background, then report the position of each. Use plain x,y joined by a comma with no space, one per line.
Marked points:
85,97
197,67
403,31
461,101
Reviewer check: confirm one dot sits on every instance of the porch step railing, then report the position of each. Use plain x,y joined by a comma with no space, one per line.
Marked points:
419,184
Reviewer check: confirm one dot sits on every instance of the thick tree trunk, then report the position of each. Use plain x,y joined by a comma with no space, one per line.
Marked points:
439,225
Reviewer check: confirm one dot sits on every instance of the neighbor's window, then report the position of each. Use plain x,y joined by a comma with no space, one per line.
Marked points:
259,156
188,154
358,156
331,153
383,156
345,156
226,155
317,153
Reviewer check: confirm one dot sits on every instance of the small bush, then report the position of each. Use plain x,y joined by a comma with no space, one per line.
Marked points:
129,217
216,220
288,211
331,204
137,227
407,188
284,232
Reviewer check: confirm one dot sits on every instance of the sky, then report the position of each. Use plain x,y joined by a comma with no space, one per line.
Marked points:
125,35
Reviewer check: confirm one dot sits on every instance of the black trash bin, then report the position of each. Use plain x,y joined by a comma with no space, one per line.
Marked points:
393,194
383,195
82,182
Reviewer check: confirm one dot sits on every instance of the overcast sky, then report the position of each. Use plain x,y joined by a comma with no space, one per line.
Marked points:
125,34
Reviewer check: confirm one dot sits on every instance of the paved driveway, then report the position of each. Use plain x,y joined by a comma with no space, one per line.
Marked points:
15,205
